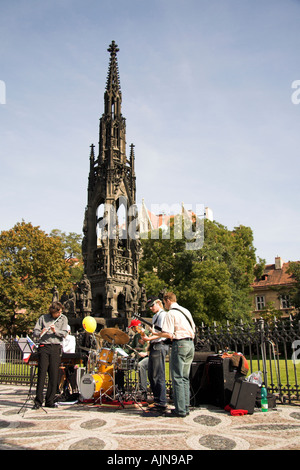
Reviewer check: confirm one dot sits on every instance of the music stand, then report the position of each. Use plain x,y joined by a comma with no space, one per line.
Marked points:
27,347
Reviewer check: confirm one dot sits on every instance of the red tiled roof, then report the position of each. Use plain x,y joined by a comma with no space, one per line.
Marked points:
163,219
274,277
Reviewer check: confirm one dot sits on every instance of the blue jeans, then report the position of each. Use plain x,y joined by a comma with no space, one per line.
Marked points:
156,372
143,371
182,355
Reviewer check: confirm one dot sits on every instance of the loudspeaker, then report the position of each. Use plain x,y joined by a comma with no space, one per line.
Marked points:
197,391
220,376
244,395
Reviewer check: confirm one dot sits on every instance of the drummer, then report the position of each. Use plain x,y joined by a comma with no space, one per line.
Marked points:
141,348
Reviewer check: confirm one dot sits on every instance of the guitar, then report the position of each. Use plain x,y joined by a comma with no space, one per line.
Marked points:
140,330
142,320
157,328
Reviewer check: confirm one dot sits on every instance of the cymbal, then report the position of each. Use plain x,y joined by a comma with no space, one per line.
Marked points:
114,335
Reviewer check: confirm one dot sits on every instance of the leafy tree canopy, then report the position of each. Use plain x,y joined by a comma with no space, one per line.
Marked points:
31,263
71,243
212,282
294,269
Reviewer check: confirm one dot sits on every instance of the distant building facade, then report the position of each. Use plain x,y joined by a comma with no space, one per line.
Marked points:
273,288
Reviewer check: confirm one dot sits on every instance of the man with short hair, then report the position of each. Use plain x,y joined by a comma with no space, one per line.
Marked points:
180,328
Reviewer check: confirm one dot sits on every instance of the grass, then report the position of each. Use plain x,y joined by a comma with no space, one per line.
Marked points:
282,372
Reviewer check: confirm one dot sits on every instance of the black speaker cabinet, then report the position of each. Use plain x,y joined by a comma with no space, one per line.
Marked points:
219,379
197,392
244,395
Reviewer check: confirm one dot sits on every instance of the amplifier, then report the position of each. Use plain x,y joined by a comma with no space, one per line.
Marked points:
197,384
220,377
244,395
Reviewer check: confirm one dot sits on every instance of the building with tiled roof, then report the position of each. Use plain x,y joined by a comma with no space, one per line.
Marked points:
273,288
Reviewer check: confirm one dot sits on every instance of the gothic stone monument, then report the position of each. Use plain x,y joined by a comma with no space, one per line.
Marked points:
110,253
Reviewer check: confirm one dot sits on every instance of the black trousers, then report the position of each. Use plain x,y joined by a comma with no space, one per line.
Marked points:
48,362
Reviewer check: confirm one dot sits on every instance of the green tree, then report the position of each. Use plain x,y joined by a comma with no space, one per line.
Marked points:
208,294
31,263
269,312
294,269
71,243
214,281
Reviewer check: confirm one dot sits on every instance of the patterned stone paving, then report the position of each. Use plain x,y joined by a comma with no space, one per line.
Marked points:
88,427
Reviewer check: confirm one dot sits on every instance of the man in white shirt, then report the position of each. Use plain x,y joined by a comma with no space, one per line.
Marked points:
180,328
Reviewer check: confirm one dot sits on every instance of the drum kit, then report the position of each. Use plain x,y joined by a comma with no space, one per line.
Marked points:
111,373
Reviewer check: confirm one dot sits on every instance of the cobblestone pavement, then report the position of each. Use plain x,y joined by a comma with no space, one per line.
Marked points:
89,427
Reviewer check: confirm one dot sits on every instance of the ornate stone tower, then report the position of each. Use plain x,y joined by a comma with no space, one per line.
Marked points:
110,249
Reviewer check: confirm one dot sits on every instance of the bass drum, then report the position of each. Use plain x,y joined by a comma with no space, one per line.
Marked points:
91,385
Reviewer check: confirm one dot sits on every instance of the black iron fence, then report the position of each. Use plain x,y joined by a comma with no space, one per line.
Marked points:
13,368
271,347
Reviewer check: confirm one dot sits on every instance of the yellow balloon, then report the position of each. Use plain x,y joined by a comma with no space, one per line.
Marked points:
89,324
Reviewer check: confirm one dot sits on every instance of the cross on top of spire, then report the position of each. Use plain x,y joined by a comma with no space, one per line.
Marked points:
113,49
113,80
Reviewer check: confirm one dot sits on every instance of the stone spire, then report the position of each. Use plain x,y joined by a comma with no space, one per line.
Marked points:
111,262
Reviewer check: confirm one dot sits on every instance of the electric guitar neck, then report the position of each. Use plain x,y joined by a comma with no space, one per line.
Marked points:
142,320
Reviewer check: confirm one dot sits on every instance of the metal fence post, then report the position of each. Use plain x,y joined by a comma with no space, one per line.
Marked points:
263,350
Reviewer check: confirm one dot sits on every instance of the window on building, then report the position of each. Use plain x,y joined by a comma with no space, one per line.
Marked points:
285,301
260,302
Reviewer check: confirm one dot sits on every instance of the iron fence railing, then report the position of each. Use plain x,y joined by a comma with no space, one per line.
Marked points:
13,369
271,347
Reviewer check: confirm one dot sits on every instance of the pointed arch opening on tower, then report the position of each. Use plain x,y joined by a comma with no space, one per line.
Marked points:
122,217
100,223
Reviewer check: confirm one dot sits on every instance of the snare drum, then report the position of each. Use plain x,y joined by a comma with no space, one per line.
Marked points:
92,385
126,363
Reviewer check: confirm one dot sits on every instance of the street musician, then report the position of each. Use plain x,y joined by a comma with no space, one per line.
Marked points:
49,332
140,346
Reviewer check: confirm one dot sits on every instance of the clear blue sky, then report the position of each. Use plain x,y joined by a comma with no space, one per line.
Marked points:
207,88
